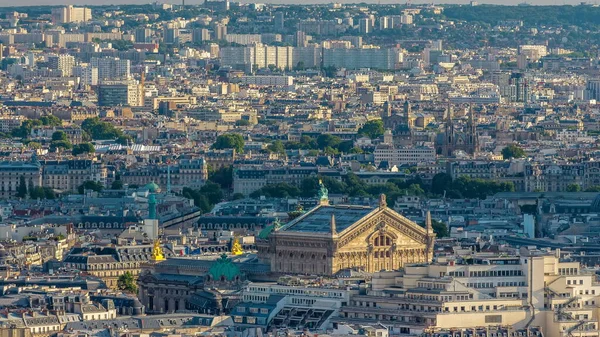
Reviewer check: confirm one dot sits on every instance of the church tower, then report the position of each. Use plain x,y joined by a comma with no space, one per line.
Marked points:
408,114
448,144
387,110
473,144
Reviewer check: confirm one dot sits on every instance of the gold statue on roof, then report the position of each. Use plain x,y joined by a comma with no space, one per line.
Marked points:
236,247
157,252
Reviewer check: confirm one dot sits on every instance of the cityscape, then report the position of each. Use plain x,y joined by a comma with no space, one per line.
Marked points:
220,168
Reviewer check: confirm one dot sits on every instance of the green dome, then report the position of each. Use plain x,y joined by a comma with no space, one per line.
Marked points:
224,268
153,187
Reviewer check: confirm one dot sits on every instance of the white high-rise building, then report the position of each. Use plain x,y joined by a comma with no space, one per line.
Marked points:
111,68
65,63
70,14
355,58
88,75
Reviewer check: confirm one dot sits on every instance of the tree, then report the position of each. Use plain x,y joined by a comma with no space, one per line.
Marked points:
593,189
237,196
98,129
513,151
327,140
34,145
60,135
22,188
372,129
83,148
222,176
50,120
126,282
49,193
25,129
441,182
116,185
279,190
229,141
90,185
439,228
60,144
574,188
37,193
206,197
330,71
277,147
242,122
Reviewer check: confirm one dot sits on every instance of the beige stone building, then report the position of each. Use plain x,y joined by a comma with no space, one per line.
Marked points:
329,238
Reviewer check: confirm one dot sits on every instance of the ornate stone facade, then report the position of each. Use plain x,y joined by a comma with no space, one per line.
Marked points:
328,239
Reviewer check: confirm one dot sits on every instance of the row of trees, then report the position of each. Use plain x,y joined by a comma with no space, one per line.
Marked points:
327,143
25,189
353,186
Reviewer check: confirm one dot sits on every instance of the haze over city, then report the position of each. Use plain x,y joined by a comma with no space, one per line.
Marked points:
8,3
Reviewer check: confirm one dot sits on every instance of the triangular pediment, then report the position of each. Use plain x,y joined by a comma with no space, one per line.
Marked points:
381,220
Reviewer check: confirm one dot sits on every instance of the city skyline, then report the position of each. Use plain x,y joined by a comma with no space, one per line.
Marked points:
7,3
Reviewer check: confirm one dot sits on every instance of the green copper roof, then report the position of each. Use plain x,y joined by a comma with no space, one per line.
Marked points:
153,187
264,234
223,267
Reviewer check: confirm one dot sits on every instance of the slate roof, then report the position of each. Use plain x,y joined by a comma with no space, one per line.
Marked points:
154,322
318,220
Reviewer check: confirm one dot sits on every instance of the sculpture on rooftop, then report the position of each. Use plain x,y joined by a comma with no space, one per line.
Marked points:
323,193
157,252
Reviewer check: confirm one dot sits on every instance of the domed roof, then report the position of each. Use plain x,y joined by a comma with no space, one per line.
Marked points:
223,268
153,187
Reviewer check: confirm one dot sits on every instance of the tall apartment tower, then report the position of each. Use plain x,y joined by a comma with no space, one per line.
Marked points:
220,31
278,21
365,26
70,14
65,63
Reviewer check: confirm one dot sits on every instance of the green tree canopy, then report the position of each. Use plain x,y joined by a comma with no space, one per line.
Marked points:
60,135
327,140
100,130
90,185
574,188
22,188
50,120
116,185
126,282
222,176
372,129
60,144
229,141
83,148
276,147
513,151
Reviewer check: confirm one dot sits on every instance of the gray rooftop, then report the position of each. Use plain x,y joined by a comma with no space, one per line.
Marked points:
318,220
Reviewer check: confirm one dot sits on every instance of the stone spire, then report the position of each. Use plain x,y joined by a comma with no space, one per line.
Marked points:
428,225
332,224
